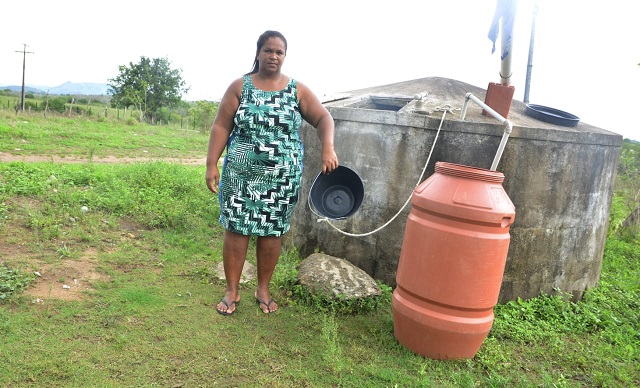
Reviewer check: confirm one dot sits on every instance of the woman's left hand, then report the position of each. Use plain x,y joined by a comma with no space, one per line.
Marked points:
329,160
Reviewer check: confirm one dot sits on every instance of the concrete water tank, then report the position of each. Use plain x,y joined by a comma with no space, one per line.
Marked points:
559,178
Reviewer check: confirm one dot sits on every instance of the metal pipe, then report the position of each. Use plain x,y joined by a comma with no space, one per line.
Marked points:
508,127
527,84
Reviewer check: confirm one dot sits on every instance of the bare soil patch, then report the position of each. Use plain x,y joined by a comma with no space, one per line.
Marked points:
67,279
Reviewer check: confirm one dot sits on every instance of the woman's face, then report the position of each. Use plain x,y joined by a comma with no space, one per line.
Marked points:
271,55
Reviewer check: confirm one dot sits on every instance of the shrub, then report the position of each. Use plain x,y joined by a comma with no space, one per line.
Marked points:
57,104
30,105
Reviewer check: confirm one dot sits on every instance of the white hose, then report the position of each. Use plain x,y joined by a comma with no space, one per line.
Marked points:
444,109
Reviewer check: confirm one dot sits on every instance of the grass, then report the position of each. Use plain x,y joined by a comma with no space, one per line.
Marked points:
150,240
86,137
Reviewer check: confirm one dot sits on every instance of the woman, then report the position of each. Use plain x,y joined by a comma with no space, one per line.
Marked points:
258,121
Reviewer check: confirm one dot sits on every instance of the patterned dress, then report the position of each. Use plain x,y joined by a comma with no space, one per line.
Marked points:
263,166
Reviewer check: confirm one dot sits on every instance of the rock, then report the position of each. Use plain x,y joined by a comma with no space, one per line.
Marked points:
330,275
249,272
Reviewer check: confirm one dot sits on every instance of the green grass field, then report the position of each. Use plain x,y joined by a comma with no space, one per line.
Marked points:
87,138
139,310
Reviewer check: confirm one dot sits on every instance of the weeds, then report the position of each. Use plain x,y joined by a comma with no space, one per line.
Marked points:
333,353
12,281
342,305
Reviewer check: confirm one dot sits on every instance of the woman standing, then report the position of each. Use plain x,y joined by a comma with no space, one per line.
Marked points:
258,121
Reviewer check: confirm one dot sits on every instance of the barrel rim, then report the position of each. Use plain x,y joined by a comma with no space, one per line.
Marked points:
469,172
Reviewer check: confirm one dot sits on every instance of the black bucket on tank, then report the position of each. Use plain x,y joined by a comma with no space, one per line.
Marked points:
338,194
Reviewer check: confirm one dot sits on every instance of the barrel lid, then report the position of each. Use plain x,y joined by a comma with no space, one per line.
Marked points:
552,115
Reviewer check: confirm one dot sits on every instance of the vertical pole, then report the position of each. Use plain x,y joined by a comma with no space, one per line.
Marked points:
530,60
505,64
507,22
24,62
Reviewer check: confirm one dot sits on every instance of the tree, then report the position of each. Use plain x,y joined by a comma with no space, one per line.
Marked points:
148,87
628,182
203,114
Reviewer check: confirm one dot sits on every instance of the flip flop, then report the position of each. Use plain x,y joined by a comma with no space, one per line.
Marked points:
261,302
228,305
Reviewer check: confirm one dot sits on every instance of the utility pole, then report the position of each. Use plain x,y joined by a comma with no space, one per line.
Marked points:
24,61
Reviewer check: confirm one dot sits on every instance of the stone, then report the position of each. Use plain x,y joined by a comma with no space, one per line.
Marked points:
333,276
249,272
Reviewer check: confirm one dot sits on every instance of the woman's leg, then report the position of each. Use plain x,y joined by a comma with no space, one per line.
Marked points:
234,253
268,253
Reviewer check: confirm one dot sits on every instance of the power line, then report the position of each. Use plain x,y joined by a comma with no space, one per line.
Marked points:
24,61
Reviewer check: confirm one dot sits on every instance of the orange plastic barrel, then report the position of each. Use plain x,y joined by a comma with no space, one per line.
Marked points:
452,261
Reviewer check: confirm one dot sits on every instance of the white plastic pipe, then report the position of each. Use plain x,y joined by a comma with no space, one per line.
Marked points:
505,64
507,44
507,125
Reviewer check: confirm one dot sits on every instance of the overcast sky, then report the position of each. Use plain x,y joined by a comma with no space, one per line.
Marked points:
585,57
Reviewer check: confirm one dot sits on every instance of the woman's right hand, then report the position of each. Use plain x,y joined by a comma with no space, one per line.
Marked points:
220,131
213,179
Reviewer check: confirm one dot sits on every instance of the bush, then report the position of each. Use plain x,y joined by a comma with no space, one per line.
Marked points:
30,105
57,104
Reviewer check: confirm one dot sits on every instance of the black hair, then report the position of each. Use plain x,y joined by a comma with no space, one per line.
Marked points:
261,41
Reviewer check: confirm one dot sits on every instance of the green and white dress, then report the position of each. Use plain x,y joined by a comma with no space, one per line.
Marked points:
263,167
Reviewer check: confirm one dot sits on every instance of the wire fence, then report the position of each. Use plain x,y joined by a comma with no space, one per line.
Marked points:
54,107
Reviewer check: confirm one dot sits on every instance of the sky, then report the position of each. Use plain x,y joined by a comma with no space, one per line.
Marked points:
585,60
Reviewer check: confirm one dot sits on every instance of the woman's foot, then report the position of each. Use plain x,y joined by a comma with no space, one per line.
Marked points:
267,305
225,308
228,304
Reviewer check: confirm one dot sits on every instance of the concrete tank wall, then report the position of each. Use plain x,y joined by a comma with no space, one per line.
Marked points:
560,180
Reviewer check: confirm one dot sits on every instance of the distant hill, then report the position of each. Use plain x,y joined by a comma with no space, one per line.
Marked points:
27,89
67,88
